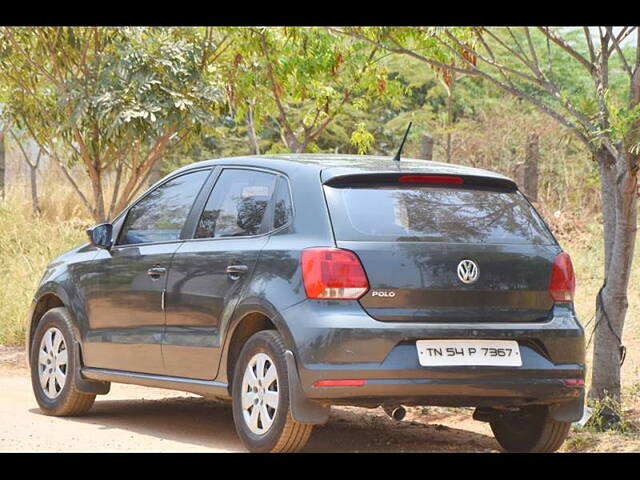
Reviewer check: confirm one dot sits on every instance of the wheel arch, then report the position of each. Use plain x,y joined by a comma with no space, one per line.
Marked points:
45,300
249,319
248,325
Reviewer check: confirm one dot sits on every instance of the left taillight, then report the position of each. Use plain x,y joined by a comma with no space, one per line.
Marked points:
563,281
333,274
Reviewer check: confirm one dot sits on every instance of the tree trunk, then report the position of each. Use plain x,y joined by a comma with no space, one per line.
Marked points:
427,147
619,186
33,173
155,174
532,157
292,143
251,132
95,175
449,121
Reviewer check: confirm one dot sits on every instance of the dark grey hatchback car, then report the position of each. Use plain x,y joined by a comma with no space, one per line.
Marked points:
290,283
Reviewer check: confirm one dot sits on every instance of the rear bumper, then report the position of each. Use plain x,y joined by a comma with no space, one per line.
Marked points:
338,340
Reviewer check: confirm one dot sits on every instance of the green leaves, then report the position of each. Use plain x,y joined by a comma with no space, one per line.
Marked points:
127,84
303,78
111,97
361,139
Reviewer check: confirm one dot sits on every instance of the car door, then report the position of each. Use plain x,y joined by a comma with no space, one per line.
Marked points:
209,272
126,293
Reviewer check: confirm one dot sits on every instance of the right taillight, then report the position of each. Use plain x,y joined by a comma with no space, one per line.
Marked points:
563,281
333,274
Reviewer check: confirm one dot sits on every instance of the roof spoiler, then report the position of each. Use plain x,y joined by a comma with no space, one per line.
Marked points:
422,178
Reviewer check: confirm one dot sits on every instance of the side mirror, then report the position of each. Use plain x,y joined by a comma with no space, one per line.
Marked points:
100,235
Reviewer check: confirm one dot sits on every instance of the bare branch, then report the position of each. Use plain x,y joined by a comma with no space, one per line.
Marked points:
515,40
619,50
592,52
534,56
567,48
537,103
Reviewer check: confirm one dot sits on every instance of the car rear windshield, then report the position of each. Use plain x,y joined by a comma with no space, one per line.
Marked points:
434,214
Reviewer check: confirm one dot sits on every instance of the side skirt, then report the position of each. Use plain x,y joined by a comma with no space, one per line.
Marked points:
206,388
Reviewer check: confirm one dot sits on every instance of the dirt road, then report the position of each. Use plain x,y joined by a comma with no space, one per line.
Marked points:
141,419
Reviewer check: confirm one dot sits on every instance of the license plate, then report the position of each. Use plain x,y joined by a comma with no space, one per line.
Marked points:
434,353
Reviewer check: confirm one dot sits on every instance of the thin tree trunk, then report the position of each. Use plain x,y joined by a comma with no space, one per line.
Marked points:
95,175
449,121
251,131
292,143
427,147
155,173
532,159
613,303
33,173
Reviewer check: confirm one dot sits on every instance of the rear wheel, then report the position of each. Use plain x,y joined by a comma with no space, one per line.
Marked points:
53,365
530,430
260,393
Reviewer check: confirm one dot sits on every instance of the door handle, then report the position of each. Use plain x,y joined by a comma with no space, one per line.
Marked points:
156,272
234,271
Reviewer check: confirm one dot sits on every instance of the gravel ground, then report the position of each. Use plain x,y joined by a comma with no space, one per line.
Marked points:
141,419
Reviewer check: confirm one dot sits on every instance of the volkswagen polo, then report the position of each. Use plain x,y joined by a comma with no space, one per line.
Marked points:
289,283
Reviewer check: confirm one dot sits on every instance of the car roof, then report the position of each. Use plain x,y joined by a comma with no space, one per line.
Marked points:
331,165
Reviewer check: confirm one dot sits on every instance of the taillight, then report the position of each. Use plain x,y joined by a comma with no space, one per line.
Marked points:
563,281
447,179
332,273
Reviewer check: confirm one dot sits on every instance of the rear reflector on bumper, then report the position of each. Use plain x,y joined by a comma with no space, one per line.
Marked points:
573,382
339,383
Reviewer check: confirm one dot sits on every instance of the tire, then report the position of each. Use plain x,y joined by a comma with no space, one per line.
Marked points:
57,400
274,429
531,430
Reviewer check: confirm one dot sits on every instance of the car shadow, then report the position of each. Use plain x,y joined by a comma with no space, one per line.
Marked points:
209,423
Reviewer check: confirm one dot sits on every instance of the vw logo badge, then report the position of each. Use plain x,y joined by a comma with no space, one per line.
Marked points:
468,271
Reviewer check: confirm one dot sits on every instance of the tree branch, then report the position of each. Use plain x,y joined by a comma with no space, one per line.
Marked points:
519,93
399,49
620,54
567,48
39,67
592,53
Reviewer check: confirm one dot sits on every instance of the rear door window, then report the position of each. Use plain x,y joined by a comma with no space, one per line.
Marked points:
434,214
237,204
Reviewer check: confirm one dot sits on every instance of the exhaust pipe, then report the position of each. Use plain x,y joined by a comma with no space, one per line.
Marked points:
397,413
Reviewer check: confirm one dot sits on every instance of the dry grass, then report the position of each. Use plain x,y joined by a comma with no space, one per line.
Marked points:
27,245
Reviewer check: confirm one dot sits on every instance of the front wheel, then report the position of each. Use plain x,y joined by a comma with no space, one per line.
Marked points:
260,394
532,429
53,365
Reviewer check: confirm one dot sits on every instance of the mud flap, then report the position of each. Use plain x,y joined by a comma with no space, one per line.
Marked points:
570,411
92,387
303,409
